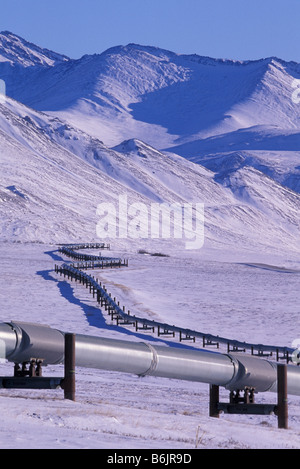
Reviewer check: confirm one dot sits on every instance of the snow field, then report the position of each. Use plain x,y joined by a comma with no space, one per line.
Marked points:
114,410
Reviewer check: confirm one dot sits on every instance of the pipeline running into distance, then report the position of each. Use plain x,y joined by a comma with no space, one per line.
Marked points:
91,261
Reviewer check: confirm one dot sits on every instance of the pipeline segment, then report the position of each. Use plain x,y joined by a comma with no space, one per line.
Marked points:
20,342
74,271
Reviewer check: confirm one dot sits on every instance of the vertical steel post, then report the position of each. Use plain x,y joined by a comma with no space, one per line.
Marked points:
213,401
282,402
69,378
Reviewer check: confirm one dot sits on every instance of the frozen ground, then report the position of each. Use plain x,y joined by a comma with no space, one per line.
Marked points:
112,410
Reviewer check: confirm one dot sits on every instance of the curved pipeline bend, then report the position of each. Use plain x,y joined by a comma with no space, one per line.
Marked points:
20,342
92,261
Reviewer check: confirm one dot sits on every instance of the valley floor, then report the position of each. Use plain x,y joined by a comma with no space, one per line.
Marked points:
117,411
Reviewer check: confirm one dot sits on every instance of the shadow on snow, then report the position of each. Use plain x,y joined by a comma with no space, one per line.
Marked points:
94,314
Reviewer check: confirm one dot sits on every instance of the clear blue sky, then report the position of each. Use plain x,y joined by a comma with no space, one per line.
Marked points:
236,29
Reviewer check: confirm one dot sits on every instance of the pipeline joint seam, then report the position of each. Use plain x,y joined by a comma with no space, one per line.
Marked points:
154,361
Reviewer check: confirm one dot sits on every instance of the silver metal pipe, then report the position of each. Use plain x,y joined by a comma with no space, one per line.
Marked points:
8,340
145,359
253,372
23,341
113,355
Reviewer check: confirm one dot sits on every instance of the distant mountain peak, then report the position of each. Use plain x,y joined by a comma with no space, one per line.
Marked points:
170,100
142,51
16,50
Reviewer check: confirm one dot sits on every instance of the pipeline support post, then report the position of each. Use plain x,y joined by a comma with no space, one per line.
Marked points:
282,402
214,401
69,378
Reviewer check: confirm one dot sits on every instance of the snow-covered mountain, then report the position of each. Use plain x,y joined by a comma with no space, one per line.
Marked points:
53,176
16,51
160,97
198,107
234,121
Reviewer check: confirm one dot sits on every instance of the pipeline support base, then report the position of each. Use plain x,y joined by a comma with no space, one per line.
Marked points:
245,404
254,409
13,382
